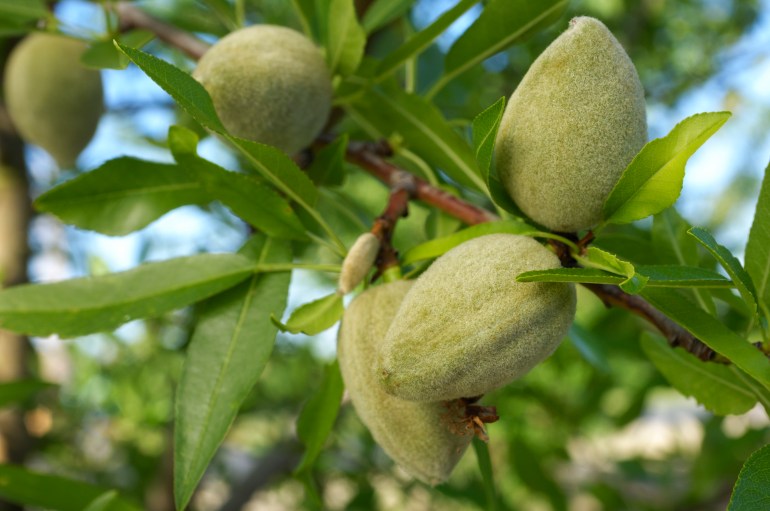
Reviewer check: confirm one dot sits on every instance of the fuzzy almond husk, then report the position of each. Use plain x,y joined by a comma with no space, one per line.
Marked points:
467,327
358,262
417,436
574,123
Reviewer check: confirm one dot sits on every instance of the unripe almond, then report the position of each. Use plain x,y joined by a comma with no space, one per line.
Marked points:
467,327
417,436
358,262
269,84
54,101
571,127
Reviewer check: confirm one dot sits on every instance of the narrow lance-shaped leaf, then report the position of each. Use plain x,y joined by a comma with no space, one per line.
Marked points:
345,38
104,54
33,489
657,276
730,263
422,39
603,260
485,127
712,385
94,304
752,490
487,474
251,200
314,317
230,346
501,24
758,246
181,86
712,332
381,12
123,195
318,415
653,180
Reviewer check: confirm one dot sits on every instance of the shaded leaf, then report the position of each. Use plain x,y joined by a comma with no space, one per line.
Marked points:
317,418
345,38
103,502
22,486
314,317
758,246
328,167
501,24
228,351
712,385
485,127
382,12
712,332
752,489
104,54
487,474
23,11
653,180
123,195
590,347
21,390
94,304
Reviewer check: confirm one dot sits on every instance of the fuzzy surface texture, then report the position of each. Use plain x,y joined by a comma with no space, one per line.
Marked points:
467,327
571,127
269,84
54,101
417,436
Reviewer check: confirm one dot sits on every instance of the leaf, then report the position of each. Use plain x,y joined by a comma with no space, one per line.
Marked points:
251,200
758,246
28,10
730,263
104,54
712,385
34,489
752,489
485,127
345,38
317,418
420,41
487,474
123,195
653,180
590,347
95,304
382,12
600,259
328,168
501,24
421,124
657,276
314,317
712,332
182,87
21,390
103,502
582,275
436,247
228,351
305,10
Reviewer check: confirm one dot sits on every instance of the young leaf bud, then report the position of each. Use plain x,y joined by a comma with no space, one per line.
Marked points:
423,438
269,84
358,262
571,127
467,327
53,100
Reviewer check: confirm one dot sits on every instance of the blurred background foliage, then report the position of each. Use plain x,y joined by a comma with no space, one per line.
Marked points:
594,427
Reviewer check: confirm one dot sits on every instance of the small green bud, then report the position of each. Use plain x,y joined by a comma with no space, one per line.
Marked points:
574,123
53,100
423,438
269,84
358,262
467,327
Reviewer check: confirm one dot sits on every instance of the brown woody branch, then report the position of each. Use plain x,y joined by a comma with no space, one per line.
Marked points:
385,224
131,17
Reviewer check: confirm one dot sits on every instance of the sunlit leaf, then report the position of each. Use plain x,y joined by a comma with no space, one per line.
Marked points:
758,246
314,317
485,127
344,38
752,490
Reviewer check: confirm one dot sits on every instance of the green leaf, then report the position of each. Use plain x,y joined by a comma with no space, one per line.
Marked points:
758,246
251,200
123,195
501,24
421,123
712,332
382,12
582,275
602,260
485,127
306,13
657,276
22,11
317,418
345,38
487,474
103,502
420,41
21,390
104,54
328,168
38,490
314,317
94,304
590,347
653,180
712,385
730,263
752,489
228,351
436,247
182,87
